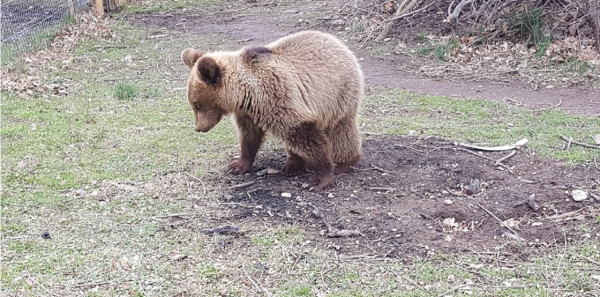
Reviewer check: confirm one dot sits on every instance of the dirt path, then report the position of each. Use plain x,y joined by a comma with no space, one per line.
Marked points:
271,23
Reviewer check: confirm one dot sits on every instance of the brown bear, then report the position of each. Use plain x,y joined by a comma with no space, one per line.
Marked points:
304,88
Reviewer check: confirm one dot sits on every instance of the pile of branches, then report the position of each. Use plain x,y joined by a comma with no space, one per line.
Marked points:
551,19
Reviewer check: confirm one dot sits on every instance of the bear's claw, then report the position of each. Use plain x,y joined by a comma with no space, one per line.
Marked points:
317,184
239,167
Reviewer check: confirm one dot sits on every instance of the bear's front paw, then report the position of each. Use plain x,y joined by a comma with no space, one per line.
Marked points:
292,168
239,167
318,183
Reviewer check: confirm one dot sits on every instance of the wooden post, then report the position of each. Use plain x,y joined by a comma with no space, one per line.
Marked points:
99,7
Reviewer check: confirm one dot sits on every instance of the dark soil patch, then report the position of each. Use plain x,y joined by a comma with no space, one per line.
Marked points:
397,198
259,25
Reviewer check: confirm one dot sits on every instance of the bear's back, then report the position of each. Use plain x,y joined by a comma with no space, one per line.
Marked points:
315,48
319,73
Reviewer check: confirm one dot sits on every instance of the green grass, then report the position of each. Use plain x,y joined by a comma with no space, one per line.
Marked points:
578,66
481,121
125,91
528,24
439,51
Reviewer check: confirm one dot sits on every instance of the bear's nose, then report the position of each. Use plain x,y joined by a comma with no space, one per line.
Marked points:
198,129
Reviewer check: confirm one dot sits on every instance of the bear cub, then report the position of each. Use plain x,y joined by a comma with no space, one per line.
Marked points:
304,88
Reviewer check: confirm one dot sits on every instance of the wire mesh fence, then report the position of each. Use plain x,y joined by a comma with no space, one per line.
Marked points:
27,24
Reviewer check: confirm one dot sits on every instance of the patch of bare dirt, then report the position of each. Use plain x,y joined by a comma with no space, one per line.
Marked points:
410,196
397,71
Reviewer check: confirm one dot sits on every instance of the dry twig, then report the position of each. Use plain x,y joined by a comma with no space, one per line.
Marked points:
241,185
453,15
514,152
501,222
255,283
509,147
571,141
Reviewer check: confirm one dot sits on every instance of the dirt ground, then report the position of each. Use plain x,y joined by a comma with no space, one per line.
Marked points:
409,196
392,71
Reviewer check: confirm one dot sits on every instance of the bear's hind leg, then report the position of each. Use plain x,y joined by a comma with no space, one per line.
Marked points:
346,144
309,143
294,164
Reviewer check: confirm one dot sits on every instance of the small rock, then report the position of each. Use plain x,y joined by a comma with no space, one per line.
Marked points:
330,195
46,235
597,138
260,266
448,202
579,195
286,195
596,277
262,172
387,39
272,171
536,224
177,256
337,23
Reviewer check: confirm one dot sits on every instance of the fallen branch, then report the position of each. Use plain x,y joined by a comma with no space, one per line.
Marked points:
383,189
171,215
509,147
403,8
255,283
514,152
453,289
241,185
452,16
501,223
332,232
92,284
485,157
198,180
571,141
412,12
382,170
566,215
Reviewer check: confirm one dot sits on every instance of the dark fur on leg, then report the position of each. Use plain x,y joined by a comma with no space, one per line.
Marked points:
309,143
294,165
251,138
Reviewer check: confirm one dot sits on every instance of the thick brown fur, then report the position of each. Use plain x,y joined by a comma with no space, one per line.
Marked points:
304,88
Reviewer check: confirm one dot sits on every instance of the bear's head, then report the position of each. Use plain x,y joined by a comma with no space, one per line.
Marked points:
205,80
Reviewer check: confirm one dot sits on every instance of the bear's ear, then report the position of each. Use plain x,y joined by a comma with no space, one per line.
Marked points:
209,71
189,56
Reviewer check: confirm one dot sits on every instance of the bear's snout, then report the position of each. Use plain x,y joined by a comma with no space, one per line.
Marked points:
201,129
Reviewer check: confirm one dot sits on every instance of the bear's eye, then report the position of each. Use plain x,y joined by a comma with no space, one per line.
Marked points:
197,106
